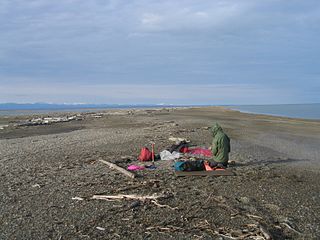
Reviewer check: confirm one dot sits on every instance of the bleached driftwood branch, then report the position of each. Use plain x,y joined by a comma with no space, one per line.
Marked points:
163,206
153,199
119,169
124,196
266,234
289,227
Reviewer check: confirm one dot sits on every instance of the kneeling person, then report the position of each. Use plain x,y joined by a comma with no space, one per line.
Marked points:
220,147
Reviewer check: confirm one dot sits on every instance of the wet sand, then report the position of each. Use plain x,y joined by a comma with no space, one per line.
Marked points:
275,191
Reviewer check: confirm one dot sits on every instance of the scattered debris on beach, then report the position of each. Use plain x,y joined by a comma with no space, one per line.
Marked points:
3,126
47,120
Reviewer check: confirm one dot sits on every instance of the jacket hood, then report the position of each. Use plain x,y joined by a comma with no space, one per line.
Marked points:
215,129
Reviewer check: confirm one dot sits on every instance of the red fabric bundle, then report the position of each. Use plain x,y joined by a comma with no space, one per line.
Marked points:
145,155
201,151
184,149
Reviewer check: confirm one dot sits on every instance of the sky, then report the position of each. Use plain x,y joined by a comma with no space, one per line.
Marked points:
169,51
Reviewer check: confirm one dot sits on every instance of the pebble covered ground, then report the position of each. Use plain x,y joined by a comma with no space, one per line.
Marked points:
50,172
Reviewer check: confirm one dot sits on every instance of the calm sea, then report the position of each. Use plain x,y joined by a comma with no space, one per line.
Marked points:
307,111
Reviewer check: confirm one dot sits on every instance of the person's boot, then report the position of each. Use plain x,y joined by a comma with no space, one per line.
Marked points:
220,165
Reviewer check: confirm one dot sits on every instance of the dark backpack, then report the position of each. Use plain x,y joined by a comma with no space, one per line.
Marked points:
188,166
178,147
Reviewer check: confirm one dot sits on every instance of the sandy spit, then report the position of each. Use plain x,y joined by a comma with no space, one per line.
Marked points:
50,172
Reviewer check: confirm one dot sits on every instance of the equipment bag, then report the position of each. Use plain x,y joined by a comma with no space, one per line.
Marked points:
188,166
145,155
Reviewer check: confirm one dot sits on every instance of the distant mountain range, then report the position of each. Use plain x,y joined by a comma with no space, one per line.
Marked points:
50,106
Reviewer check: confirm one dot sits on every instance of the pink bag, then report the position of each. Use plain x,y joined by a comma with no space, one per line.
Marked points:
135,168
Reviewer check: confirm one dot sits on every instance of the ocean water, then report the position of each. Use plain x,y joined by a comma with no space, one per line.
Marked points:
306,111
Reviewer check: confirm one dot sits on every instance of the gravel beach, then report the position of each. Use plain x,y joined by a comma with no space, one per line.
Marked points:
50,172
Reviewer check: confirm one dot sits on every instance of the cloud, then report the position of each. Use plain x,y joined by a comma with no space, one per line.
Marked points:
151,19
178,43
178,16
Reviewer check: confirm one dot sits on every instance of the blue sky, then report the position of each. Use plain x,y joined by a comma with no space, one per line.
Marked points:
148,51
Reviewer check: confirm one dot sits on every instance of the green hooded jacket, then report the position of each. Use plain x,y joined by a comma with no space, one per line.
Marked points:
220,145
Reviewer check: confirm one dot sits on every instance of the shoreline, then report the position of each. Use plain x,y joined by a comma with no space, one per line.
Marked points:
45,112
39,112
268,115
311,114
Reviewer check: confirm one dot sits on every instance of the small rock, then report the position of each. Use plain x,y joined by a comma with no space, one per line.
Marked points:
244,200
272,207
236,233
232,163
134,204
77,198
101,228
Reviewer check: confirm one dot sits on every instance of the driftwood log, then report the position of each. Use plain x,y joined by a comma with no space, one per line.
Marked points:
119,169
123,196
152,198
